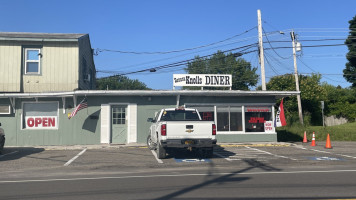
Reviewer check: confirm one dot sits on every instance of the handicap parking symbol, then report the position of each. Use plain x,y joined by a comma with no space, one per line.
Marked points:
325,158
191,160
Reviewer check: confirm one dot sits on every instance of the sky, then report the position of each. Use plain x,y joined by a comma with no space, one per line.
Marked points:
177,25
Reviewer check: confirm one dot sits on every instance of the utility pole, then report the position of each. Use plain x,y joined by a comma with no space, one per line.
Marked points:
260,42
296,78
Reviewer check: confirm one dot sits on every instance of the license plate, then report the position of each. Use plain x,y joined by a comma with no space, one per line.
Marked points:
189,142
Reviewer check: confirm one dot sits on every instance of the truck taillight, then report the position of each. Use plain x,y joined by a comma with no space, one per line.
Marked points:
214,129
163,129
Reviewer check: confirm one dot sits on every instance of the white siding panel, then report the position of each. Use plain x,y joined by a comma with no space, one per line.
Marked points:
59,66
10,67
105,124
132,123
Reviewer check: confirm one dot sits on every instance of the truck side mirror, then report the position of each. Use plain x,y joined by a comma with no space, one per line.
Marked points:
151,120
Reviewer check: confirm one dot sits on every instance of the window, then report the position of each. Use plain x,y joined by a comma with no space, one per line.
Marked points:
255,117
229,118
206,112
119,115
5,109
32,61
179,115
40,115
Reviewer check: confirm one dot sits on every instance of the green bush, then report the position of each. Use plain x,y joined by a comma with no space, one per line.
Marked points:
344,132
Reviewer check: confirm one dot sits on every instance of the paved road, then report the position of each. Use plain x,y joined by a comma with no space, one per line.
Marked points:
241,184
235,172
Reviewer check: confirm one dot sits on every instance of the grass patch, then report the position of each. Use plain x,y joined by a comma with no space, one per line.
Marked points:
344,132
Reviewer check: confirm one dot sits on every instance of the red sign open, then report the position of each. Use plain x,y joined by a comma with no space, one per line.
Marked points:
41,122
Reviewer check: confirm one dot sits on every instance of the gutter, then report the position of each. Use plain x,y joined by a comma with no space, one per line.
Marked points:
152,93
37,40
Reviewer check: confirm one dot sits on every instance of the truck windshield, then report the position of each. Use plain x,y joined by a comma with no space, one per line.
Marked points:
180,115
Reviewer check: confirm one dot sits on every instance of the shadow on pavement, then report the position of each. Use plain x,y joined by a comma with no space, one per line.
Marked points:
231,177
14,153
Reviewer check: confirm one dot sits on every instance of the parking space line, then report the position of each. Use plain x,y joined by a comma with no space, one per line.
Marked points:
326,152
270,153
221,156
75,157
155,155
1,156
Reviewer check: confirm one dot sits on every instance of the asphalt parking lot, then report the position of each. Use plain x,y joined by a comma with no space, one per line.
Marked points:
122,158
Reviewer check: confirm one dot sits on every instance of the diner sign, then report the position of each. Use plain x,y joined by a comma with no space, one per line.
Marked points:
202,80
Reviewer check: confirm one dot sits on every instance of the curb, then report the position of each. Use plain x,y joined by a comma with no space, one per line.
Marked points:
144,146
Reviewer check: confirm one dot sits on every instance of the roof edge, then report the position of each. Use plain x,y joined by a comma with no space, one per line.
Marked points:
278,94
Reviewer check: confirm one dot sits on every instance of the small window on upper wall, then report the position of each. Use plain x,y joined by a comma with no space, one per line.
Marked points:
32,61
5,109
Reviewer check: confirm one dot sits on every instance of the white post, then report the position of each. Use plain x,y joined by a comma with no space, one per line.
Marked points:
260,42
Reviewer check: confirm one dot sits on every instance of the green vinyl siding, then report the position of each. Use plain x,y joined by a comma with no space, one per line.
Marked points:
85,127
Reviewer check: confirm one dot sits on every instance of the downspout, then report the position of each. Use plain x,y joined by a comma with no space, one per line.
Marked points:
177,99
13,103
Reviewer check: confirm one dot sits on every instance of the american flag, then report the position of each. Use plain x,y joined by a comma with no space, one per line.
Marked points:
83,104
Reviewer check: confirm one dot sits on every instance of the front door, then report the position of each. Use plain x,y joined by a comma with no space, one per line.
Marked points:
119,124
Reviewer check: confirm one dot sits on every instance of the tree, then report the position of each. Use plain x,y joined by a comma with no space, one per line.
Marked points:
340,102
243,75
311,93
350,70
120,83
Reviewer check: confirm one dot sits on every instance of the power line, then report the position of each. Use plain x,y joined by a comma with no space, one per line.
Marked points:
176,51
273,48
159,60
315,71
270,65
243,52
184,62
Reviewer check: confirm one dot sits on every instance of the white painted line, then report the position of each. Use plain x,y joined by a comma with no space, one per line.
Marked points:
155,155
326,152
271,153
75,157
8,154
226,158
345,156
320,151
177,175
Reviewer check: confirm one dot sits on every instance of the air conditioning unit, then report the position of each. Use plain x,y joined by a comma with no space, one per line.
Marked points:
87,78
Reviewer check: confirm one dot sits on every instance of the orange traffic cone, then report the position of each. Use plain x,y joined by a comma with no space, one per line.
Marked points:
313,141
328,143
305,140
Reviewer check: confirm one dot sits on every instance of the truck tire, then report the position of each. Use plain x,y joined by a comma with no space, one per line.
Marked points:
2,142
150,144
161,152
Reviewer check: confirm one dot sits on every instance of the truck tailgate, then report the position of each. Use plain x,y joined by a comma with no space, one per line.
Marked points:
187,129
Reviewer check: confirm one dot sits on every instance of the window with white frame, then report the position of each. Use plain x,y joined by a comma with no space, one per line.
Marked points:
229,118
5,109
256,116
32,60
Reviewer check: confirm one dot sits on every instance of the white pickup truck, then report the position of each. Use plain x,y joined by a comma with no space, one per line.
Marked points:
181,128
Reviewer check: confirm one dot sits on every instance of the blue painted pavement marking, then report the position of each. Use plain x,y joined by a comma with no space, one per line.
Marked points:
191,160
325,158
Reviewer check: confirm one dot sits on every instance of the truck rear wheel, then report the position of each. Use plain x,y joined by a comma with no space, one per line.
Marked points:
161,152
150,144
2,142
